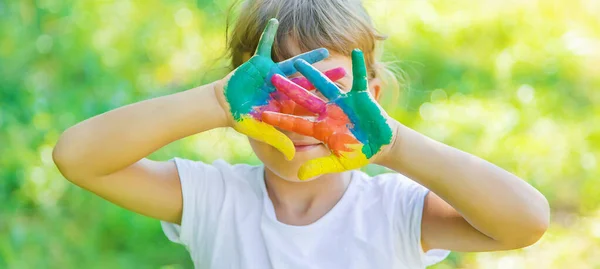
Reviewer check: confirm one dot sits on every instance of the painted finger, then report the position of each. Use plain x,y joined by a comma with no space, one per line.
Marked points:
267,37
290,123
298,94
359,71
285,105
347,160
333,74
354,157
272,105
321,82
313,56
320,166
266,133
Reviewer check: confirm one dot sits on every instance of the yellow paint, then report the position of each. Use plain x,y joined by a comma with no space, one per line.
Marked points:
332,164
266,133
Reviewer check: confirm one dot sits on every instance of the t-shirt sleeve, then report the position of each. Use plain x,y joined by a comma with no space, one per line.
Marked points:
408,199
202,189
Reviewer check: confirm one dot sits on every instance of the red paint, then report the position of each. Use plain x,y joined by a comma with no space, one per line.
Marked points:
331,127
279,102
298,94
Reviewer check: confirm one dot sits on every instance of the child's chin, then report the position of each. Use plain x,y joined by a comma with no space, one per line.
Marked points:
289,169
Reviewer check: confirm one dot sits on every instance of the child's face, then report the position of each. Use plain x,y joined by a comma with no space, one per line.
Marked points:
307,148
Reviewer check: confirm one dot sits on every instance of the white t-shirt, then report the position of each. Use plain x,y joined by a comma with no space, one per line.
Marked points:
229,222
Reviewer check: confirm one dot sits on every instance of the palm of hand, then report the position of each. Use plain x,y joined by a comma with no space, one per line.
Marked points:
248,91
351,124
369,121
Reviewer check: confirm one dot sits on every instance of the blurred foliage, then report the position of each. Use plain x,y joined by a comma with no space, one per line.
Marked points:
515,82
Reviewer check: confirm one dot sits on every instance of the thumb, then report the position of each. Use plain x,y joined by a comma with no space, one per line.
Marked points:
266,133
320,166
348,160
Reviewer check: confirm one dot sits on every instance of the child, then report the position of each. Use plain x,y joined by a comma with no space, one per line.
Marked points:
307,206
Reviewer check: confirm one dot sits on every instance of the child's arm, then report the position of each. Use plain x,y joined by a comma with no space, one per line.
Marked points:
487,207
104,154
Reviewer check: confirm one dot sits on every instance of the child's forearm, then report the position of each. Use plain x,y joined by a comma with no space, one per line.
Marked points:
494,201
116,139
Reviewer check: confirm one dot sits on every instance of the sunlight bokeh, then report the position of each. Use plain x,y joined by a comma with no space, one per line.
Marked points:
515,82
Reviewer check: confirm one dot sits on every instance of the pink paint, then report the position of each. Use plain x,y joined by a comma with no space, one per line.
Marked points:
298,94
283,104
332,74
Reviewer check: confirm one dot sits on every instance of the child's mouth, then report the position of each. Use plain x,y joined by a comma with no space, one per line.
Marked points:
304,143
305,147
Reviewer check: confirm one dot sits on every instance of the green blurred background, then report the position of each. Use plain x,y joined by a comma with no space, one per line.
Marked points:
515,82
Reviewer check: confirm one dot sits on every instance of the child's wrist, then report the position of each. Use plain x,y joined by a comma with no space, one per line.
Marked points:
387,153
219,97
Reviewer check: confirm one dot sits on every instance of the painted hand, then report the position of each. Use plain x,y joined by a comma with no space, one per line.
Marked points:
352,125
249,92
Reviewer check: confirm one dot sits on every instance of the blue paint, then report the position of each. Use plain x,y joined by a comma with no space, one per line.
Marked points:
369,125
313,56
320,81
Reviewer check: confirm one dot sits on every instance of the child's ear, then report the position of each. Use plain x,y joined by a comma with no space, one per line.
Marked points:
375,87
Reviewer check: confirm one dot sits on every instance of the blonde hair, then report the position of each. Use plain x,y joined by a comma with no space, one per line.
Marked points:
338,25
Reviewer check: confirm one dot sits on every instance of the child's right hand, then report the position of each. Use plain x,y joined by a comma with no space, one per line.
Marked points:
248,91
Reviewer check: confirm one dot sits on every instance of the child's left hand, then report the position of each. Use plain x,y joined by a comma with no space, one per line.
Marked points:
354,127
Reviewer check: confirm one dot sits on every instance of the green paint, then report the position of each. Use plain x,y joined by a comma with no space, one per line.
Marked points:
370,125
267,38
359,71
245,90
248,86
